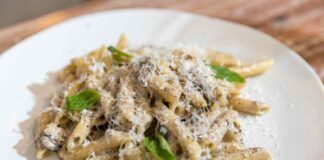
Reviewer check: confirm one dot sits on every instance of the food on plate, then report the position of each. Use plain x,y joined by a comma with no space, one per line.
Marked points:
150,102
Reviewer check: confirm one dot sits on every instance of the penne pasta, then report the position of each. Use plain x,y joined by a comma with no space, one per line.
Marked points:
111,140
131,152
179,130
122,42
249,154
101,157
222,59
253,69
249,106
80,132
44,119
229,147
233,134
150,102
219,128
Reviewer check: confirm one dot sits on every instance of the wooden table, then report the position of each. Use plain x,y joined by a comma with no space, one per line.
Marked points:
297,23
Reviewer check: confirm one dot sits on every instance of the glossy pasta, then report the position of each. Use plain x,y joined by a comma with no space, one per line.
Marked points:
129,94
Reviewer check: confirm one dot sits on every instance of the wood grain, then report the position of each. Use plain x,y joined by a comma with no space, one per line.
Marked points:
297,23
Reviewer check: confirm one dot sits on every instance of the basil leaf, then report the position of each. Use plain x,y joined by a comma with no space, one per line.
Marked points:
83,100
159,147
224,73
152,145
119,55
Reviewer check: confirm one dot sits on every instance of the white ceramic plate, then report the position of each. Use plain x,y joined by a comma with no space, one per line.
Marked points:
293,129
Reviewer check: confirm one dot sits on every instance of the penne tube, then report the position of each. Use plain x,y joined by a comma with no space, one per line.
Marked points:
219,128
80,132
68,73
125,101
132,153
171,121
44,119
222,59
150,102
101,157
253,69
167,87
248,106
111,140
122,42
249,154
229,147
233,134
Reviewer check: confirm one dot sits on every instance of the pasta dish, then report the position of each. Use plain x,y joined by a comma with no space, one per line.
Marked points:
150,103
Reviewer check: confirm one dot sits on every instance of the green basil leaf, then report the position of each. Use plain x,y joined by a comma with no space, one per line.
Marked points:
224,73
119,55
159,147
152,145
83,100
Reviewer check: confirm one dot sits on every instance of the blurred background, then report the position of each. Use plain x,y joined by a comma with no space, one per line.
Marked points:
299,24
15,11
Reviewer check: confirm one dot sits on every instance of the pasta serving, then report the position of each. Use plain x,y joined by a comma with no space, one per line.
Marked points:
150,102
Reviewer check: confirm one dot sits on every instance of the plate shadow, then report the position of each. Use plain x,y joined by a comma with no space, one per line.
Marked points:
25,147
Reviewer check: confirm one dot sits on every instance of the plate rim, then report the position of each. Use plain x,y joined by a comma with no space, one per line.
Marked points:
311,75
292,53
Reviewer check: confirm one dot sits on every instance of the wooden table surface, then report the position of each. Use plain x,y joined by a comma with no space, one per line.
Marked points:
297,23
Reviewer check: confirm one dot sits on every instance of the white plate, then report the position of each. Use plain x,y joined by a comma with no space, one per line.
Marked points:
293,129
